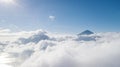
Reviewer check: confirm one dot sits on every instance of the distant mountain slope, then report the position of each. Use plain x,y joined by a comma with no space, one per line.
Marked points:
86,32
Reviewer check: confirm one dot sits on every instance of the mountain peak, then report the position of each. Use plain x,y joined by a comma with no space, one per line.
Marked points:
86,32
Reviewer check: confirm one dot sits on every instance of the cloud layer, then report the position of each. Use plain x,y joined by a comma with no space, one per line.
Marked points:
44,49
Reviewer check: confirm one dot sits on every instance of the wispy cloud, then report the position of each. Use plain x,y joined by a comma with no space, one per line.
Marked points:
52,18
4,30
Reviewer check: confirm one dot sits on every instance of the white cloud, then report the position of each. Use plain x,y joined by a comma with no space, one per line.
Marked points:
52,18
5,30
100,50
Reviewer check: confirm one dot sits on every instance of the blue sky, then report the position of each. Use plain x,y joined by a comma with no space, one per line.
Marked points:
64,16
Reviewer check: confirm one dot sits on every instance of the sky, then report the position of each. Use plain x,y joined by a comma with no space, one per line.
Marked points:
63,16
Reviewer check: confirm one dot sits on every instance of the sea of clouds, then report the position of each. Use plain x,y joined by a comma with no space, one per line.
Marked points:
45,49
